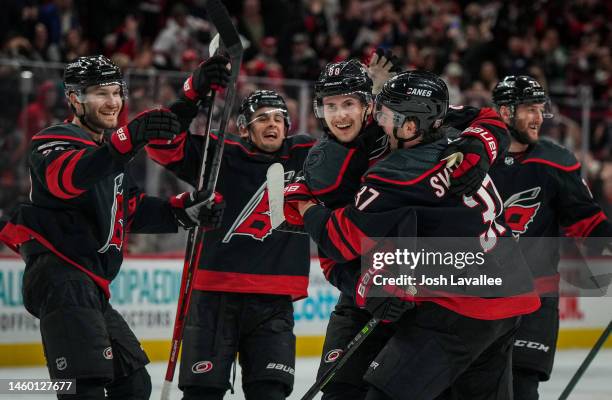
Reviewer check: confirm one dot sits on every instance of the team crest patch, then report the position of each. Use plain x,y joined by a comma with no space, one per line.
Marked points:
202,367
332,355
108,353
61,363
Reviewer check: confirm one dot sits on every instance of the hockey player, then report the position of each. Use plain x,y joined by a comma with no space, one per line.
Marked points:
417,360
248,275
72,232
333,173
544,198
353,141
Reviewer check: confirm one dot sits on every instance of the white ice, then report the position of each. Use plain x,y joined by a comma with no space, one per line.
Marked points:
596,383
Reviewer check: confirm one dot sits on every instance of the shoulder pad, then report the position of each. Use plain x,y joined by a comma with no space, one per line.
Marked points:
552,154
408,166
323,165
64,132
300,140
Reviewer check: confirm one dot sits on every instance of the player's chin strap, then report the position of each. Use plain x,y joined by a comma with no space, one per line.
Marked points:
401,141
82,117
511,127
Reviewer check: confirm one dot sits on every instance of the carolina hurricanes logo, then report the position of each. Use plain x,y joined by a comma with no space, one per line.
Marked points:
202,367
115,234
254,219
333,355
108,353
520,210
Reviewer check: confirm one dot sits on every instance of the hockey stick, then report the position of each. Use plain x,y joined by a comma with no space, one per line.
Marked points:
587,361
346,354
219,16
275,181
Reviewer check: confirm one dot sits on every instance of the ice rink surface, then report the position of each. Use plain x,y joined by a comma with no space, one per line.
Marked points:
596,384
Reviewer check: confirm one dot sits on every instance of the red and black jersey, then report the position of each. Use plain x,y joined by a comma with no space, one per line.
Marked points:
334,171
82,204
544,198
405,194
244,255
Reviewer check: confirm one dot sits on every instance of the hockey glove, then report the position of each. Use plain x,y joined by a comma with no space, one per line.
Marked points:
295,193
192,209
382,66
472,161
212,74
146,126
382,301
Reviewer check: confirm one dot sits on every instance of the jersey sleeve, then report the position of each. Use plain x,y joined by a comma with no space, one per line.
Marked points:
67,168
149,214
347,233
485,124
182,156
579,215
333,170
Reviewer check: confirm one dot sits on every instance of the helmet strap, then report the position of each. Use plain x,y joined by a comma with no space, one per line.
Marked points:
401,142
83,117
516,135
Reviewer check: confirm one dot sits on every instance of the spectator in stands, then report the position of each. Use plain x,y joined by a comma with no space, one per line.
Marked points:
303,62
189,61
36,116
178,36
42,50
59,16
125,39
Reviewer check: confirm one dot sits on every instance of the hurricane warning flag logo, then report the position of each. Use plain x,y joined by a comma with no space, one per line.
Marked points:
521,209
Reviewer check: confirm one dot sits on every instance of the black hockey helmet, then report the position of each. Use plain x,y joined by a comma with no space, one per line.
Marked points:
522,89
344,77
417,95
257,100
92,71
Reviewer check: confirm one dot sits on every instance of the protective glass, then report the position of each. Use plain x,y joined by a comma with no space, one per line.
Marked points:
385,116
545,108
329,110
278,115
84,95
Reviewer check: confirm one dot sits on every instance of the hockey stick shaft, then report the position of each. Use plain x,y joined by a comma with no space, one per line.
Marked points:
219,16
346,354
189,270
587,361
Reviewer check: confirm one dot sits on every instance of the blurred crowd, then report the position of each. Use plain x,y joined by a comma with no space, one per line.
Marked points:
565,44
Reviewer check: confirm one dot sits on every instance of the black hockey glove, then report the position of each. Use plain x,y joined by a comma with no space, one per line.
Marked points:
212,74
209,75
382,66
148,125
385,302
472,161
192,209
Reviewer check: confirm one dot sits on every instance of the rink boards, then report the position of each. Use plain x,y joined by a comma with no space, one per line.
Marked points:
147,289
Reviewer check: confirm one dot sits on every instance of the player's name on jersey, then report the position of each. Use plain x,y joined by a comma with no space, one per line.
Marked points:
440,280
